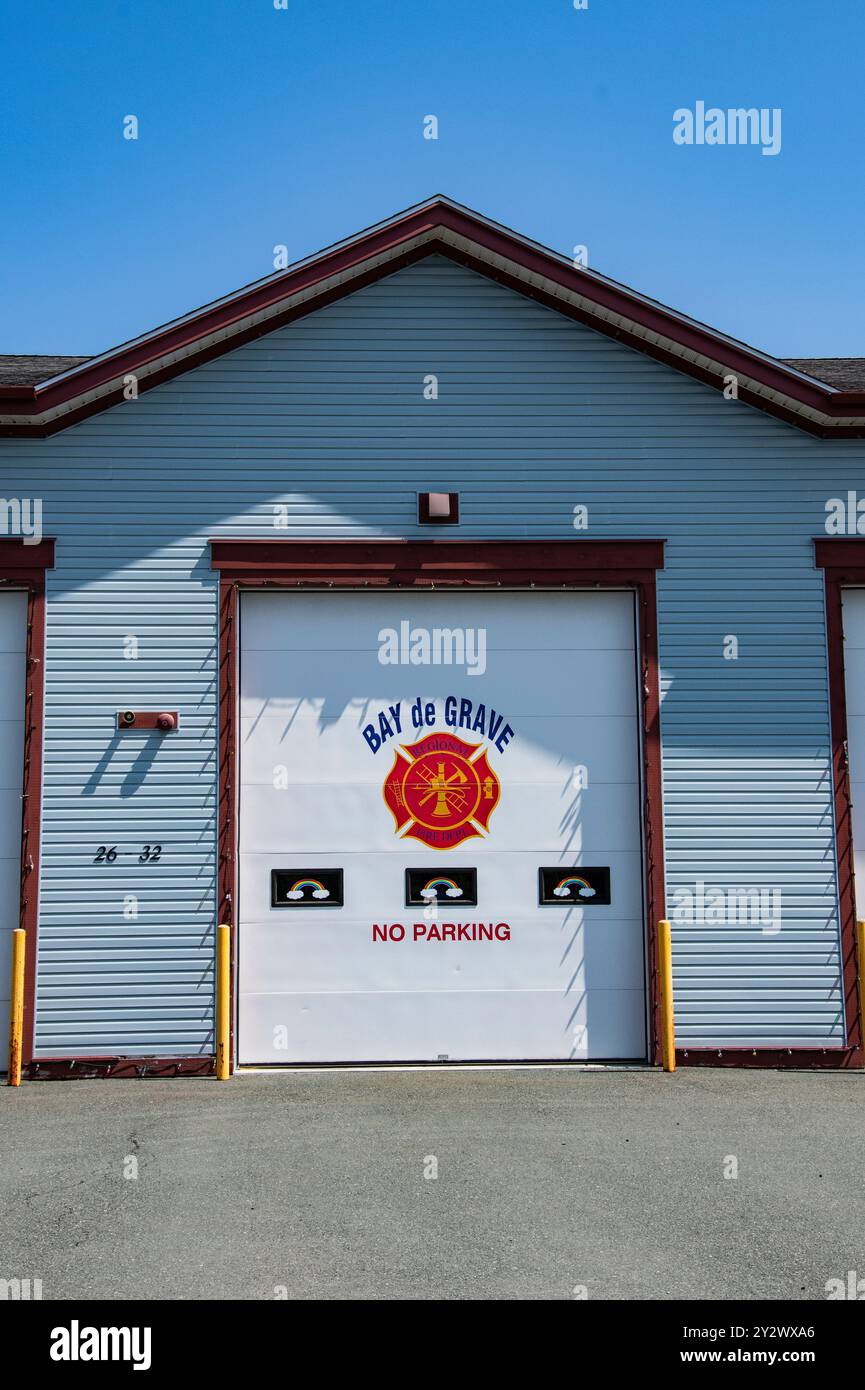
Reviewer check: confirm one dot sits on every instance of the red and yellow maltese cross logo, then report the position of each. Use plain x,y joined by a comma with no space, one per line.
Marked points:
441,791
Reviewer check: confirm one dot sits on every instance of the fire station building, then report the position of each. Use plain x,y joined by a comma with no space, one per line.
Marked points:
442,617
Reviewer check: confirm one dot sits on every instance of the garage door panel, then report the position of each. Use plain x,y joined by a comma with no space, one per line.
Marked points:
10,888
11,753
10,824
854,641
547,682
857,797
552,749
5,983
349,623
311,817
12,682
854,665
569,983
13,633
525,1025
856,726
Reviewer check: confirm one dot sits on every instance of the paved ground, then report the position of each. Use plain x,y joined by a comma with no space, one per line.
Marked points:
546,1180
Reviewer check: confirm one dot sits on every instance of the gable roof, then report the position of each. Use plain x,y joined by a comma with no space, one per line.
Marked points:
35,404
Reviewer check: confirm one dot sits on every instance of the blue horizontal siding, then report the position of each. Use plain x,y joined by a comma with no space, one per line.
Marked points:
535,415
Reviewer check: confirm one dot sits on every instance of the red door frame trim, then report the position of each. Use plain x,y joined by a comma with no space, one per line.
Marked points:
443,564
23,566
842,560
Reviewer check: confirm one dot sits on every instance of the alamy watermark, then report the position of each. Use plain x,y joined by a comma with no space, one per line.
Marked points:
21,516
18,1290
77,1343
705,905
736,126
845,516
438,646
852,1287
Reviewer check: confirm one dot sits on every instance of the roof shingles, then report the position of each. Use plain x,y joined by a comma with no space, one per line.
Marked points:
21,370
844,373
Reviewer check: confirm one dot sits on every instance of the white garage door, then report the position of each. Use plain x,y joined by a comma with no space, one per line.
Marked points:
440,835
853,603
13,645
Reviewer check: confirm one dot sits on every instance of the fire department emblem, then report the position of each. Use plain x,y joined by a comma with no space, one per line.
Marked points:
441,791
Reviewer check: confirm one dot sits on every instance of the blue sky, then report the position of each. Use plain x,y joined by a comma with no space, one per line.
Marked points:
300,126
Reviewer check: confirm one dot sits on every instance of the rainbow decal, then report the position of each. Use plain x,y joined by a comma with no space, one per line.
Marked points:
430,890
583,888
295,892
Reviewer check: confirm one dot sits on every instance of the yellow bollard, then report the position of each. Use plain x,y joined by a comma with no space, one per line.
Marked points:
860,964
665,971
16,1009
223,1016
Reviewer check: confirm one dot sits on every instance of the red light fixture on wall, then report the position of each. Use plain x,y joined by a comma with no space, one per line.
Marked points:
438,508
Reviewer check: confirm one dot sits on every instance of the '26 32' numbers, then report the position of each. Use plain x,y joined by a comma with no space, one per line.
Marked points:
106,854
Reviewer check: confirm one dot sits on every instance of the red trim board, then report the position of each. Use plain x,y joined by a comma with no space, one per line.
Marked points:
89,1068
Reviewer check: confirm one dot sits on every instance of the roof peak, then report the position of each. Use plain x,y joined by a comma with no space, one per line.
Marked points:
436,225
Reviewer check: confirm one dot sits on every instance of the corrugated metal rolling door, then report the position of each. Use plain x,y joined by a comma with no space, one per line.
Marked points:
126,947
748,804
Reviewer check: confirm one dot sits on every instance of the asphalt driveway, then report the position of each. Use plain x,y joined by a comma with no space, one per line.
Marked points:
324,1185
